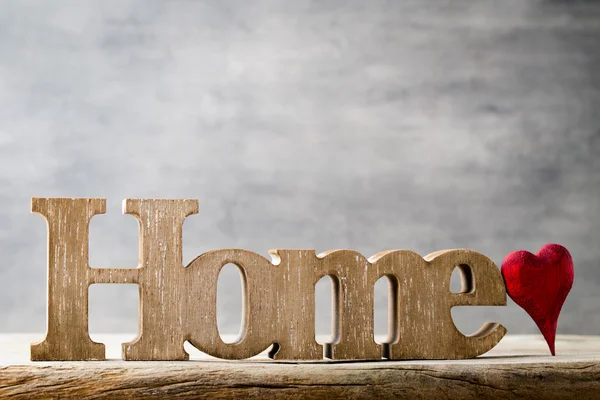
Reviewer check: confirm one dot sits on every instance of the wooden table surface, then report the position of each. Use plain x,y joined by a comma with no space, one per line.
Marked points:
519,367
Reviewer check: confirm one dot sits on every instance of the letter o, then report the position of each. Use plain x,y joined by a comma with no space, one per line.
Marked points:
259,328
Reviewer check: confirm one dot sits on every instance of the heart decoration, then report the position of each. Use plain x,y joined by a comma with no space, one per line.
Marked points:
540,284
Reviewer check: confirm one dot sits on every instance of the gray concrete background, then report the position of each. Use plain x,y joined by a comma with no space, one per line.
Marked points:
369,125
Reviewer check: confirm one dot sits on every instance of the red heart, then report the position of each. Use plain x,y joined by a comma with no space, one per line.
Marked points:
540,284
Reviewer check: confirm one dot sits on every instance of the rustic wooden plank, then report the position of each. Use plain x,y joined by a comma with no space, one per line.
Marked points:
519,367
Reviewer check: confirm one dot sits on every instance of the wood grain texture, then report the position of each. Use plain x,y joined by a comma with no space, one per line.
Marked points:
178,303
159,275
519,367
68,279
422,326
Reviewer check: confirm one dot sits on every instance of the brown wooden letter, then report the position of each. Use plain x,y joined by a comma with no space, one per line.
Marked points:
261,318
160,276
422,327
352,310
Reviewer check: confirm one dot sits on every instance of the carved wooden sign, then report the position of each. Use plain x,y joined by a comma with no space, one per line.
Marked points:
178,303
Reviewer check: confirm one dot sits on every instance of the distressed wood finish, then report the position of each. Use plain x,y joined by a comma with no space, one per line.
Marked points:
262,321
178,304
68,279
422,289
69,275
519,367
422,326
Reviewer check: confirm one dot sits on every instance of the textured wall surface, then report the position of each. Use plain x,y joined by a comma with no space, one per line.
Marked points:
368,125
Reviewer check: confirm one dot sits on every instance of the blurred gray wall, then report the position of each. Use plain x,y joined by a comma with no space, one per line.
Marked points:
368,125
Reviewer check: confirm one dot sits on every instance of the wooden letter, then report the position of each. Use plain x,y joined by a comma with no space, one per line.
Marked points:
160,275
423,324
260,315
353,305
